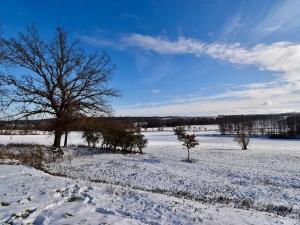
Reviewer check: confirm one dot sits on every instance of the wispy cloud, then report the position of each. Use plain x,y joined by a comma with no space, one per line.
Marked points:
280,18
98,41
233,27
282,57
216,107
272,28
284,15
252,98
155,91
126,15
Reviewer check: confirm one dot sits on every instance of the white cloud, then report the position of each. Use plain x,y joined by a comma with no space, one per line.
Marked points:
280,17
272,28
284,15
268,103
260,90
233,26
268,97
216,107
155,91
280,57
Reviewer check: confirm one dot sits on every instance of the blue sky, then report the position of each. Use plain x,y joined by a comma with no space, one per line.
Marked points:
183,57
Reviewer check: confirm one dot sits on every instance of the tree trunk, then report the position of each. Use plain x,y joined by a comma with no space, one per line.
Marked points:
188,159
57,138
66,139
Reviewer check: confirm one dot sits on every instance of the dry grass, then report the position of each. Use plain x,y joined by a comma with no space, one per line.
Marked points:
27,154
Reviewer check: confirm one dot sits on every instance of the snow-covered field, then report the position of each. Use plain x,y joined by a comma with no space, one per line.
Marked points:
29,196
45,139
264,177
221,183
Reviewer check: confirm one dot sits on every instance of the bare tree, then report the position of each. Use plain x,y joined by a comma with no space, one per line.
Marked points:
59,79
242,138
242,134
188,140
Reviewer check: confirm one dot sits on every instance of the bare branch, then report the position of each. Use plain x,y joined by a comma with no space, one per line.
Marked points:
59,78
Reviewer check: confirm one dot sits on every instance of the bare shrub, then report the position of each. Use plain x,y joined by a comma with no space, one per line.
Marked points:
242,139
140,142
32,158
27,154
6,153
91,137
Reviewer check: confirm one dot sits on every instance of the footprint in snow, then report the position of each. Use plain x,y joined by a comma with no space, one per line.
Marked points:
104,211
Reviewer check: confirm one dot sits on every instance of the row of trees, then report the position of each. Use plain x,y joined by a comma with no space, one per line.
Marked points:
54,78
273,126
258,123
173,121
117,137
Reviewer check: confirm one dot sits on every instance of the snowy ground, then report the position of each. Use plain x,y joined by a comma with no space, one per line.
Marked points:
266,177
74,138
29,196
43,139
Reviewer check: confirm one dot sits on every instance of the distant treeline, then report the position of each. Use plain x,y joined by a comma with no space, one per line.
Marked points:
273,125
143,122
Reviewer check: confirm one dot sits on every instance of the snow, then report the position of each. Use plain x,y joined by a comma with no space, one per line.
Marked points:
32,196
265,177
75,138
224,185
45,139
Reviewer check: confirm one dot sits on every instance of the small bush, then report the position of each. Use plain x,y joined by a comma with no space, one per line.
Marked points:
242,139
91,137
123,137
140,142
